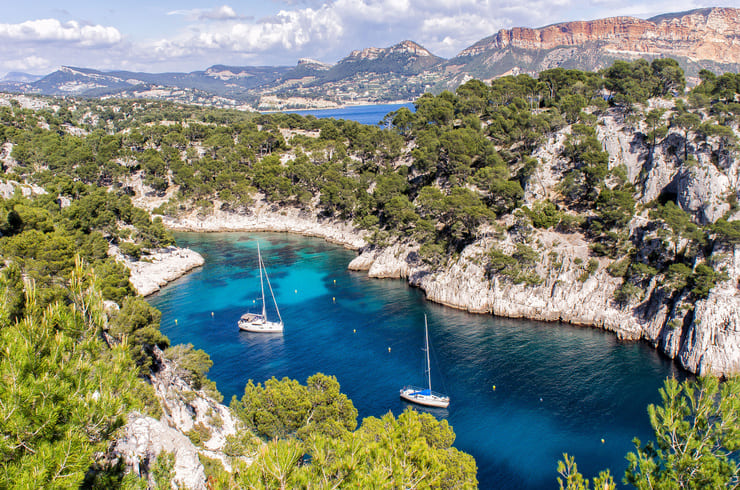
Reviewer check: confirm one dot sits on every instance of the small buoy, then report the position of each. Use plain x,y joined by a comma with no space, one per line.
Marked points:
175,321
211,313
494,387
333,299
389,349
254,301
296,291
335,281
602,441
540,399
354,330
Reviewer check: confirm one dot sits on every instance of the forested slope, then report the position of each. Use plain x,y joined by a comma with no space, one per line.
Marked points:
604,199
607,199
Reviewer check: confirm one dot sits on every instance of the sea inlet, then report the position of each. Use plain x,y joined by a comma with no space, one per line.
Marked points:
522,392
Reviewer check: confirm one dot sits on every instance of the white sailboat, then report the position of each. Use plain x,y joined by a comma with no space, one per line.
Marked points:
258,322
425,396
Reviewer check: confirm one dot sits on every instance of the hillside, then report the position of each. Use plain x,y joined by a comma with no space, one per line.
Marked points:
534,198
698,39
528,198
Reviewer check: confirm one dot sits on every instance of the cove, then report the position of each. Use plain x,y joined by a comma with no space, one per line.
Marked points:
559,388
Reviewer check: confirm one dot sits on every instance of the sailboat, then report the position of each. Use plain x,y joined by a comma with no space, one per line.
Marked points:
425,396
258,322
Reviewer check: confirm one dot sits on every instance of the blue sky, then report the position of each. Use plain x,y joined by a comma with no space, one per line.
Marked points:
153,35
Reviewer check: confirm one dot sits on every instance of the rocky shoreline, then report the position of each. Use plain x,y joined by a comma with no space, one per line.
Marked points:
161,266
706,342
703,337
267,217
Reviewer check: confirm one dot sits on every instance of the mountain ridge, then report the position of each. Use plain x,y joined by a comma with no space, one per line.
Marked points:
706,38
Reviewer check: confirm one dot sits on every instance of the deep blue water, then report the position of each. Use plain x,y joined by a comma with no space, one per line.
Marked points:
558,388
364,114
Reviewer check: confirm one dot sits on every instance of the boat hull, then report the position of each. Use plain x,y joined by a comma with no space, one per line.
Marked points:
251,322
268,327
415,395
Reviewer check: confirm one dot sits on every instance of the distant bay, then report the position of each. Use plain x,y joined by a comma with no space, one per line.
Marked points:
558,388
363,114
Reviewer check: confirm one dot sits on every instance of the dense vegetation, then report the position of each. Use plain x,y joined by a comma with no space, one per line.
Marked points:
443,176
451,173
73,368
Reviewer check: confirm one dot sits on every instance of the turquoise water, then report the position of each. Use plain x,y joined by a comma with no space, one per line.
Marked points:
558,388
364,114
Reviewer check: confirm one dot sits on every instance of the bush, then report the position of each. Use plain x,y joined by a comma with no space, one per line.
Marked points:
130,249
627,293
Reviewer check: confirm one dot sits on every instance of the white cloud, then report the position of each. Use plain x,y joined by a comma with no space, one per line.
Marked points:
327,30
287,30
224,12
467,29
29,64
45,30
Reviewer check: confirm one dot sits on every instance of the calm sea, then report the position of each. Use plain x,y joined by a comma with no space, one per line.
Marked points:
558,388
364,114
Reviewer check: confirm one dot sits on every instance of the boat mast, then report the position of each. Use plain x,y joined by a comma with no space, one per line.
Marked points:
426,341
273,297
262,285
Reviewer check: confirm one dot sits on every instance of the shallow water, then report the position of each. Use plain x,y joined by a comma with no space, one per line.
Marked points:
558,388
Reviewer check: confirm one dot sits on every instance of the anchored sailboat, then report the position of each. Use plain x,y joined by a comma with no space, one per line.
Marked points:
425,396
257,322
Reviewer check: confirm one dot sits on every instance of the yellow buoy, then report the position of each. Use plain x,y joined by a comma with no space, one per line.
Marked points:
335,281
211,313
389,349
333,299
494,387
175,321
602,441
354,330
296,291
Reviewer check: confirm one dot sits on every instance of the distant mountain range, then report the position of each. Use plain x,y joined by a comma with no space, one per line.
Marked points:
704,38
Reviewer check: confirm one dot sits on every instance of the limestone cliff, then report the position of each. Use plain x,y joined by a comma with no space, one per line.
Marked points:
158,267
263,216
694,38
703,336
144,438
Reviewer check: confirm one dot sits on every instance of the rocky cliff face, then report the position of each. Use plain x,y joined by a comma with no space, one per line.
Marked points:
159,267
263,216
704,34
710,34
144,438
404,47
706,341
704,337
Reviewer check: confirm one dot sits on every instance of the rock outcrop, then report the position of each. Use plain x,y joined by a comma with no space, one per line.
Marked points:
144,438
699,34
703,336
10,187
159,267
698,39
267,217
707,342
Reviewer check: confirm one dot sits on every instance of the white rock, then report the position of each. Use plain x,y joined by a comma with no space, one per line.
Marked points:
144,438
159,267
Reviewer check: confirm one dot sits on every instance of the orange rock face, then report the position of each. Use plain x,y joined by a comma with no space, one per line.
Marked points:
709,34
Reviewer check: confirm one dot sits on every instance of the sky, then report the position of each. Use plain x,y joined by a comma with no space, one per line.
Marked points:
39,36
